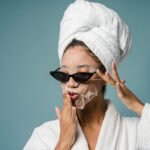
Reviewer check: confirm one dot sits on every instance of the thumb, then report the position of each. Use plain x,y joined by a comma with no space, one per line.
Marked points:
58,113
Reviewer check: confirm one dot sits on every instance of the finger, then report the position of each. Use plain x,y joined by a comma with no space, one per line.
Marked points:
106,77
124,88
100,74
64,98
67,105
110,80
115,72
120,91
58,113
103,76
74,115
67,100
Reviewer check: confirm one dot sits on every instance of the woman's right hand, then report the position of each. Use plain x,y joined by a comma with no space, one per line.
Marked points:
68,124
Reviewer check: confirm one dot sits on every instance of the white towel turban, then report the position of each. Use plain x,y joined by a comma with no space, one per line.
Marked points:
99,27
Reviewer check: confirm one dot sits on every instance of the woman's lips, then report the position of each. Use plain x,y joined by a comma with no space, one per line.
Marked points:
73,96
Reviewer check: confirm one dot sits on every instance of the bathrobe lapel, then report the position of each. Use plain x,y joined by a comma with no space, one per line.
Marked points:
109,133
81,142
108,136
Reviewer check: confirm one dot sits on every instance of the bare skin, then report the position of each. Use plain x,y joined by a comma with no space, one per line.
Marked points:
124,94
91,117
91,121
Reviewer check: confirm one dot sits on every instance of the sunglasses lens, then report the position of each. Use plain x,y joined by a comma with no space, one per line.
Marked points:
82,77
60,76
78,77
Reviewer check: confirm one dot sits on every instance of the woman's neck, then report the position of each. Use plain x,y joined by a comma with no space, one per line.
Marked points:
93,113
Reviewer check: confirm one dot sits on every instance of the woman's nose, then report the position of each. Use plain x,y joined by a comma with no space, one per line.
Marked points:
72,83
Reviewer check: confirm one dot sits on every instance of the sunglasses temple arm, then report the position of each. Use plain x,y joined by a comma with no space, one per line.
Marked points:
95,79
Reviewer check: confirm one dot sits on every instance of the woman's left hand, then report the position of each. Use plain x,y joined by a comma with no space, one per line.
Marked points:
125,95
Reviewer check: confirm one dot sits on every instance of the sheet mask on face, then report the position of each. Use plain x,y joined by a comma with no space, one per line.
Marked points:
86,93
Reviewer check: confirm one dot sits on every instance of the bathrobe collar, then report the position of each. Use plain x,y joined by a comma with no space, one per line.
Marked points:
108,134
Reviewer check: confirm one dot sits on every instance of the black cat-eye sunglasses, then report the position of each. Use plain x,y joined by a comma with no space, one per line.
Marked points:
79,77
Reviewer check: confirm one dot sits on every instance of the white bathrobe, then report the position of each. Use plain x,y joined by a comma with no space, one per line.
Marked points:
117,133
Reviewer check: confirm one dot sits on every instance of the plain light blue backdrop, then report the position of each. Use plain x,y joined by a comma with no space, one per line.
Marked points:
29,32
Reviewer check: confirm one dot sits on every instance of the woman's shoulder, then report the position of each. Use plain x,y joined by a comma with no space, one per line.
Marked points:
125,120
50,124
129,127
130,122
44,136
48,132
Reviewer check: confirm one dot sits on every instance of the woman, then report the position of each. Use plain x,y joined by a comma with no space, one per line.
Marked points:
93,41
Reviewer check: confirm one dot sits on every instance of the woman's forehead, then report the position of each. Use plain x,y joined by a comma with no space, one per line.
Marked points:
77,66
84,67
77,55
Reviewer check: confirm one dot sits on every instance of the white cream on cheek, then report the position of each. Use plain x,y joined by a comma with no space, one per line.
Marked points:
86,93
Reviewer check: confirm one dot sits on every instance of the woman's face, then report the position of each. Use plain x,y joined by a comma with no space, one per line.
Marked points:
77,59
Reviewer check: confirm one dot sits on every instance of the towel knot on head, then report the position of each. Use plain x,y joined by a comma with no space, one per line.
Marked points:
99,27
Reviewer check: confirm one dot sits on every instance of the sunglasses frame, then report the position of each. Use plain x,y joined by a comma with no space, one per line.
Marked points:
72,75
102,68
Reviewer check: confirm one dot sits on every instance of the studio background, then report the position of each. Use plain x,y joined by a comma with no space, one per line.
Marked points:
29,31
